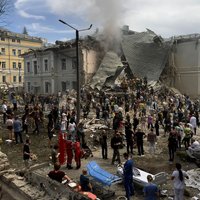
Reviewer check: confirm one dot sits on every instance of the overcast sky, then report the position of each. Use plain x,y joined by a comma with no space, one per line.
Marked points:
166,18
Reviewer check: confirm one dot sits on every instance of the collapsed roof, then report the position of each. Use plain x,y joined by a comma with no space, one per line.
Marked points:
146,54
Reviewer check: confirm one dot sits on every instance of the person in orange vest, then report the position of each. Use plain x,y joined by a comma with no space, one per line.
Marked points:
69,150
77,151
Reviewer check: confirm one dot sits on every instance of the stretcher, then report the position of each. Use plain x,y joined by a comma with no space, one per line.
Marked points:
102,176
140,176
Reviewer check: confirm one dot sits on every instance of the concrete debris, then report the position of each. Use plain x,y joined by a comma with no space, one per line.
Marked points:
4,164
194,178
109,69
18,186
161,87
19,183
194,198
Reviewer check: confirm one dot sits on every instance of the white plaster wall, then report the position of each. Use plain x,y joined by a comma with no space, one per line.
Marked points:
188,67
90,60
55,76
186,54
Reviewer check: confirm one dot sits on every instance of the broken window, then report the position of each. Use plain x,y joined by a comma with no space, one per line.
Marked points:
74,85
28,67
74,63
3,51
3,79
63,64
14,65
35,67
14,79
46,65
3,65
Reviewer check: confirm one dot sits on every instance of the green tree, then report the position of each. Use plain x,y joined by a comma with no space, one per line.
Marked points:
25,32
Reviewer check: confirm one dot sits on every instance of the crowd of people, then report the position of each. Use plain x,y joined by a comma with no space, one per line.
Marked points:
134,114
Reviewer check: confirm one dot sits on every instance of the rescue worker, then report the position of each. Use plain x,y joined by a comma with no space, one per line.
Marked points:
128,176
69,151
77,151
62,147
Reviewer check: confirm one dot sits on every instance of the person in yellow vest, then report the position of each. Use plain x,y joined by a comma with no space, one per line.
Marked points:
188,134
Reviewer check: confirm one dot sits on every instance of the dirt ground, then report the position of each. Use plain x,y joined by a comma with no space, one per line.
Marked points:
150,163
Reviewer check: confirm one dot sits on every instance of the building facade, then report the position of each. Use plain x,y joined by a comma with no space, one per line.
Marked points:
185,58
53,69
12,45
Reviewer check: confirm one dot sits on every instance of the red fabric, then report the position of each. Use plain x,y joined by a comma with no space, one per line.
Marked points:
91,195
77,150
69,147
62,147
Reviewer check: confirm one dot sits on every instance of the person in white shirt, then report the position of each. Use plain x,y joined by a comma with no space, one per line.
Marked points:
193,121
195,145
9,125
72,129
178,177
63,127
4,109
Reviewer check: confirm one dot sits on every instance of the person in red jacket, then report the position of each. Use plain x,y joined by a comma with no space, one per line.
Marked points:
77,151
69,150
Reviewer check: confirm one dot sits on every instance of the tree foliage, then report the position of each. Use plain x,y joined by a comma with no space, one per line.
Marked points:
5,7
25,32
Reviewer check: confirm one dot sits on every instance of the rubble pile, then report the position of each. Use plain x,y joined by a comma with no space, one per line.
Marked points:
194,178
146,55
4,163
16,185
108,71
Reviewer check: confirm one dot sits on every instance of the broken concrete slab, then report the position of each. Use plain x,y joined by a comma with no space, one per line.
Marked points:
110,67
194,178
145,56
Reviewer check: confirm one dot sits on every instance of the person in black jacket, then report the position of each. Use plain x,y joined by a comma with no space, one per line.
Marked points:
171,146
128,135
26,153
116,142
135,123
139,139
104,146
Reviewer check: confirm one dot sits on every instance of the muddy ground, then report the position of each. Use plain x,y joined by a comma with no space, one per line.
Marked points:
150,163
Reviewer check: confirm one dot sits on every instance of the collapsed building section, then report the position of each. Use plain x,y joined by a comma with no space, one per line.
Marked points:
142,55
174,61
146,54
109,69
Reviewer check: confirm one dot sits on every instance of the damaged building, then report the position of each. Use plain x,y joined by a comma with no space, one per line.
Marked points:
141,54
173,61
185,62
51,69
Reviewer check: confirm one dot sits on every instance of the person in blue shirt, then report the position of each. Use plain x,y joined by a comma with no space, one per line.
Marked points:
128,176
17,126
85,182
151,191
